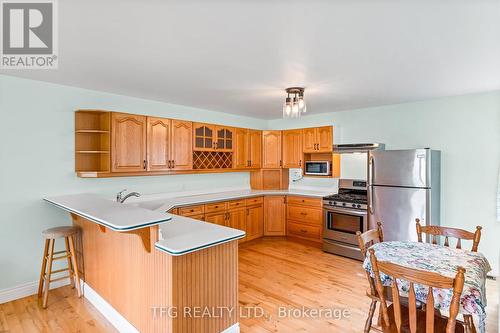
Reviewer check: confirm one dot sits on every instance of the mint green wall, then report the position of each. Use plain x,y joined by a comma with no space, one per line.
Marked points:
36,160
467,131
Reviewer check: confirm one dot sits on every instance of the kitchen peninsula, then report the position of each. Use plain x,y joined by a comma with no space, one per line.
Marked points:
145,262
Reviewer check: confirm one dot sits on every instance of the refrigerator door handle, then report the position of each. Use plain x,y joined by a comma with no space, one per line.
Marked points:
370,179
421,158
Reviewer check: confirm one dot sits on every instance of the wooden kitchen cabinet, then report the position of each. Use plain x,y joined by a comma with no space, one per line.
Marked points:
241,155
292,149
317,139
203,137
255,148
217,218
271,149
181,150
208,137
254,222
224,137
237,219
169,144
128,142
305,218
248,148
158,144
274,215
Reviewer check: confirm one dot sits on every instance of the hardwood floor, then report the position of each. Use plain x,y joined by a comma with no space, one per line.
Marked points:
273,273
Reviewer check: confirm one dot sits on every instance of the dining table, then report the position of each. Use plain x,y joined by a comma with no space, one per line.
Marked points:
442,260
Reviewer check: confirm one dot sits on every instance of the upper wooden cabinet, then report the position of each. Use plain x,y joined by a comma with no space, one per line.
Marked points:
207,137
158,143
271,149
241,155
255,147
248,148
292,149
274,215
169,144
317,139
128,142
182,145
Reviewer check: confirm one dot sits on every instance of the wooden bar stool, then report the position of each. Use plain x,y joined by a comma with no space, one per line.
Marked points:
49,256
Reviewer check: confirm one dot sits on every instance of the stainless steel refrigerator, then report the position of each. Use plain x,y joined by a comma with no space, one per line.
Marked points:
403,185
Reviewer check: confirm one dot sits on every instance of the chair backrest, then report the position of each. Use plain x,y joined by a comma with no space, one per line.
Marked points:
370,237
450,232
365,240
429,279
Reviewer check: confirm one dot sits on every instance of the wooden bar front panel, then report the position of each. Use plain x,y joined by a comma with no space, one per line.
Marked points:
134,281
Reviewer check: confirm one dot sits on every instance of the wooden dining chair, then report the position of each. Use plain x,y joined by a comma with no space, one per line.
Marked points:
459,234
447,232
365,240
398,318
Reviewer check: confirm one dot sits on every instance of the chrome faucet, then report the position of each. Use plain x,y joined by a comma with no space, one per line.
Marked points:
121,199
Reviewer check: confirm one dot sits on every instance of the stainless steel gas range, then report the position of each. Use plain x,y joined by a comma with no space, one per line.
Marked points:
345,213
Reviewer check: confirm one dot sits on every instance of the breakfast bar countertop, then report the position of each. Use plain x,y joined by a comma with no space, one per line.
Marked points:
111,214
184,235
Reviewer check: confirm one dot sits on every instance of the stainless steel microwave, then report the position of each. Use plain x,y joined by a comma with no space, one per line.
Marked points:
318,168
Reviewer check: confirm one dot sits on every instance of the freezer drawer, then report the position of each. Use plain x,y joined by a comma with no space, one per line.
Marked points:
397,208
405,168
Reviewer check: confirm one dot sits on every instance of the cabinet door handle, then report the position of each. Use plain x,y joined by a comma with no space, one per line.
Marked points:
302,230
170,164
173,164
300,163
144,164
302,213
281,163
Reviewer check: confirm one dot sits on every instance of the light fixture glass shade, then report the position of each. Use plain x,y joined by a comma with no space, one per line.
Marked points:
293,108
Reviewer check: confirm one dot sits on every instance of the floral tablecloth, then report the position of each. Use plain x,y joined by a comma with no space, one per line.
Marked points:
442,260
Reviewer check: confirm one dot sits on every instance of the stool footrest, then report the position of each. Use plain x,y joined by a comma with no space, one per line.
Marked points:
60,257
60,278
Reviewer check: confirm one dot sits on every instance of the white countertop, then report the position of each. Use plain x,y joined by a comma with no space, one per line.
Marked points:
111,214
184,235
180,235
170,203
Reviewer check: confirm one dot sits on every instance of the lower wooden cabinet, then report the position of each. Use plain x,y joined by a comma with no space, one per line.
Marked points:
217,218
254,222
274,215
237,219
305,218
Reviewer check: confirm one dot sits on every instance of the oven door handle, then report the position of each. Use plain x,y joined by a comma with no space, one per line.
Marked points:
341,211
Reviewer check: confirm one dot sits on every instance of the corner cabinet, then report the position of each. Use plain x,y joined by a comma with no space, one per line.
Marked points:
274,215
271,144
128,142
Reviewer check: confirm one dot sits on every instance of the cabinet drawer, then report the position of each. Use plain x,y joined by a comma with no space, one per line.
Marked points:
304,201
235,204
304,214
215,207
191,210
254,201
304,230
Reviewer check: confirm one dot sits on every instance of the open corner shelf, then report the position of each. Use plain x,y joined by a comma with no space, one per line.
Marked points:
92,141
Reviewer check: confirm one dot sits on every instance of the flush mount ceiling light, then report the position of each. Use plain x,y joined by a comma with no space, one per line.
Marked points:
294,104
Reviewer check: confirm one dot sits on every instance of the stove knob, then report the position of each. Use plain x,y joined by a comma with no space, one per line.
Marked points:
343,204
335,203
358,206
353,205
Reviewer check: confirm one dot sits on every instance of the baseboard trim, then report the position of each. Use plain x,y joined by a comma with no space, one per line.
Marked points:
27,289
113,316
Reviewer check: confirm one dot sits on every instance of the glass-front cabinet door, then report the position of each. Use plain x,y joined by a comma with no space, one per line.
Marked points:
204,137
224,139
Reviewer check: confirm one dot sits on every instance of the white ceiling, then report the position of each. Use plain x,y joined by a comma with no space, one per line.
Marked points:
238,56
